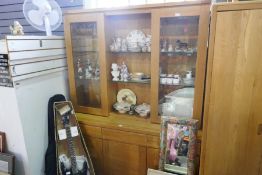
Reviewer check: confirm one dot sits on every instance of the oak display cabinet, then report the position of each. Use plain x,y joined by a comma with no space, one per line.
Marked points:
130,142
178,48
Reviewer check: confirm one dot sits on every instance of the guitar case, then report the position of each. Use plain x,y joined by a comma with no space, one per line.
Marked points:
72,155
50,155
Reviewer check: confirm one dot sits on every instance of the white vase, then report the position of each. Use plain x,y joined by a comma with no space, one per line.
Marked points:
115,75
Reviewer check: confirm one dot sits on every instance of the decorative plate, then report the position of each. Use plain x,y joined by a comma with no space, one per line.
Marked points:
126,95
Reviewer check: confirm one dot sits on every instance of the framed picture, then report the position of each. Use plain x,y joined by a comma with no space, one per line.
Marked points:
2,142
178,145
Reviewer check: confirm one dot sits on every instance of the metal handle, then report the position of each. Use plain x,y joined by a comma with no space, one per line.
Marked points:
13,70
40,43
259,129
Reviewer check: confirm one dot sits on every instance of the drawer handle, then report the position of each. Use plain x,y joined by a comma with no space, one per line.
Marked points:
13,69
41,43
259,129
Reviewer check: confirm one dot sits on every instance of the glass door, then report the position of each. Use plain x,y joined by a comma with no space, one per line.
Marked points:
86,54
178,69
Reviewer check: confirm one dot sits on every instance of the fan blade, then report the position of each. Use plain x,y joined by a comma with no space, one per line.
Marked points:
53,17
39,3
36,17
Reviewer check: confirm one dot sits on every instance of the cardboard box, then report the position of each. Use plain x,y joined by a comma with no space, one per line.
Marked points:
7,163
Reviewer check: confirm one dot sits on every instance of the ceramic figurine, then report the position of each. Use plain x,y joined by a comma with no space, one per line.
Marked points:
97,72
170,48
189,74
124,45
115,75
80,71
114,66
148,43
124,74
164,45
115,72
16,29
112,47
181,45
132,110
89,70
176,79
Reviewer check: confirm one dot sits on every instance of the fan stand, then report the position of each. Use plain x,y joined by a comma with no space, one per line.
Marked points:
47,26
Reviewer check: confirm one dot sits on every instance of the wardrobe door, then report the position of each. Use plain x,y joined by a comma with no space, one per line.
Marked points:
233,107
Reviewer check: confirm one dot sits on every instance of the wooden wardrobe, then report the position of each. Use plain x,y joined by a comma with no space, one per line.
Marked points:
232,137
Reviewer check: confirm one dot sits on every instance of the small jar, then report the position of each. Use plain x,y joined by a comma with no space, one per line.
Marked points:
163,79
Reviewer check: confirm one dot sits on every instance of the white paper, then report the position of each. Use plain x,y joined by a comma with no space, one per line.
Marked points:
62,134
74,131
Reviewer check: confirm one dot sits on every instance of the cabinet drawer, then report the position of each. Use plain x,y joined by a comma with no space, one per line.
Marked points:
125,137
38,44
91,131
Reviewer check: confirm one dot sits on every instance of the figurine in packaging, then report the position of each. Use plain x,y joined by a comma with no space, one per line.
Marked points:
16,29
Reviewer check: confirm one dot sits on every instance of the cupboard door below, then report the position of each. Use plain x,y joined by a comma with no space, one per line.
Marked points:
95,148
152,158
124,158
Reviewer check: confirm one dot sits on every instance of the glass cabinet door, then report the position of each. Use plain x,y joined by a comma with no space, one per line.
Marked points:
86,71
178,66
86,64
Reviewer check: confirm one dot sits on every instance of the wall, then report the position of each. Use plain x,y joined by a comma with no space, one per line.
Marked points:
11,10
14,132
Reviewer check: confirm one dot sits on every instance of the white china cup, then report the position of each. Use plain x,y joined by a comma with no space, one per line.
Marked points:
189,74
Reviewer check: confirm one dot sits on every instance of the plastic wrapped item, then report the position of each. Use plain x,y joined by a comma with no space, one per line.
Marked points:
178,103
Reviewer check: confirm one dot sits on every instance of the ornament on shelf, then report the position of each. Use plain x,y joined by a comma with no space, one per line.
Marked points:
97,72
80,71
16,29
115,72
124,74
124,45
164,46
89,70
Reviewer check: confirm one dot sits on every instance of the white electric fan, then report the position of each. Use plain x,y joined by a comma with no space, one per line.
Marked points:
45,15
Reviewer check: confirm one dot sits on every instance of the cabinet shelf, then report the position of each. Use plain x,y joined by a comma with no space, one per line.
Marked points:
179,37
175,85
86,51
146,81
129,52
87,79
178,53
